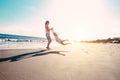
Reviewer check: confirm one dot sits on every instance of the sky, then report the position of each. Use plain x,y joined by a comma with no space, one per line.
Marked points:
71,19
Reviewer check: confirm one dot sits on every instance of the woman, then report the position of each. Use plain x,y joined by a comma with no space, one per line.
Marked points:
47,29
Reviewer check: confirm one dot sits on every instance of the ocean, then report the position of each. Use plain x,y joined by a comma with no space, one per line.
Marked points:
21,45
8,41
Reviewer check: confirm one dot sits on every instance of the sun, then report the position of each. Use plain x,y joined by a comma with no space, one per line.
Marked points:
77,37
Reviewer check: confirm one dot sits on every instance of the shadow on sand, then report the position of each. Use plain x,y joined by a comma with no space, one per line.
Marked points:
31,54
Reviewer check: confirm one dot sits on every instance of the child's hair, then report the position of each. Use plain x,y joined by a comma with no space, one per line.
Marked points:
55,34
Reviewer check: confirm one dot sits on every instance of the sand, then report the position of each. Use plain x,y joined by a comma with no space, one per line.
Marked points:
78,61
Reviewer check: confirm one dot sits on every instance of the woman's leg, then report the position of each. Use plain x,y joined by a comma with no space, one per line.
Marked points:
49,41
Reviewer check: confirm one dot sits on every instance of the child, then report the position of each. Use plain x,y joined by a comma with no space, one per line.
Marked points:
57,38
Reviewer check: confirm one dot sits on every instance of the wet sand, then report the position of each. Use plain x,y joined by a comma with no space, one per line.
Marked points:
77,61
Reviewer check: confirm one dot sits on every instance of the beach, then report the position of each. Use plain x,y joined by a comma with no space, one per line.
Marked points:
76,61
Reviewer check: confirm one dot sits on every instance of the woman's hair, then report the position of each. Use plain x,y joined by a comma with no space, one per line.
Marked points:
47,22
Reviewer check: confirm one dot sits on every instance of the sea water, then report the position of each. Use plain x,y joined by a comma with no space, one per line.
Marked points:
22,45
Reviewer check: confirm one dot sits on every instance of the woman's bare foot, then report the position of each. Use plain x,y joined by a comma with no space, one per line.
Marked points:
48,48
